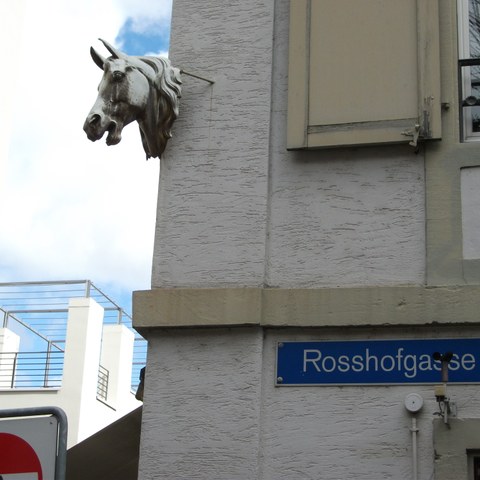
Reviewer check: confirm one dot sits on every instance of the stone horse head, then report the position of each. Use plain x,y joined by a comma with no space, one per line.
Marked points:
145,89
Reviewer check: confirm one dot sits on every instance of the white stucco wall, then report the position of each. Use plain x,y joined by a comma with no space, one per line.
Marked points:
85,349
212,411
214,177
237,209
9,344
332,432
201,416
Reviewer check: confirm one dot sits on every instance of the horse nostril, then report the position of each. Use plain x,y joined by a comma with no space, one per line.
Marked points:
94,119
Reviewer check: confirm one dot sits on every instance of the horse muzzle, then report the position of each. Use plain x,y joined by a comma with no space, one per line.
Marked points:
95,127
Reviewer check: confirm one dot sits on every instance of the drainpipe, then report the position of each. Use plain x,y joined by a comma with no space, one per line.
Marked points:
414,403
414,431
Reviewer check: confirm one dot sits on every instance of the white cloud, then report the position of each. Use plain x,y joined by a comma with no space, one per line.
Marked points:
146,16
71,208
158,11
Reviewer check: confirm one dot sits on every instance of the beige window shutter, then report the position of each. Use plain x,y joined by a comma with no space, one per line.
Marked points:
363,72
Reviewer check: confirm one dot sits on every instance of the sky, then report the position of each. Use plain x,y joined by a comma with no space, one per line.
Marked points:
72,209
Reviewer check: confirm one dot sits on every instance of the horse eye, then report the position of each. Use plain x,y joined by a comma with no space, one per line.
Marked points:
117,76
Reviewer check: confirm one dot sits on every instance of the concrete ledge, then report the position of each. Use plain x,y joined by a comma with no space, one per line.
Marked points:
362,306
182,307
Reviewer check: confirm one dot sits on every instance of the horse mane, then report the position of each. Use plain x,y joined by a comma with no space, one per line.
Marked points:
163,111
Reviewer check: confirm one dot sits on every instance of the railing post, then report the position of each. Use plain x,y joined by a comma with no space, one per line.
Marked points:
47,365
87,288
14,368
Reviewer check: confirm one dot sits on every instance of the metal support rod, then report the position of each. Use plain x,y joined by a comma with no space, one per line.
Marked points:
28,327
12,383
446,404
182,71
47,365
445,373
414,431
87,288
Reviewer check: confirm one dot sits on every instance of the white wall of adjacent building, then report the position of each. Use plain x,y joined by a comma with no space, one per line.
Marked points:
89,343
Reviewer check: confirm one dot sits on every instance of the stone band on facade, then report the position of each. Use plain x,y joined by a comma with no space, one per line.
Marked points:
375,306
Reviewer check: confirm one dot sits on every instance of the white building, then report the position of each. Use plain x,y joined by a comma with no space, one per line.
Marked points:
324,189
65,344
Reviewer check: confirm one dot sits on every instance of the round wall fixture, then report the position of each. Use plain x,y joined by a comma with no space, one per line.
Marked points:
413,402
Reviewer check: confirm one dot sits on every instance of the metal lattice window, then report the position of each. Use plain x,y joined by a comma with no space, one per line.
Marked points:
469,69
102,384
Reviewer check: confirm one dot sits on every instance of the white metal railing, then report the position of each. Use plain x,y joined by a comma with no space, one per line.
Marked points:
40,310
31,370
102,383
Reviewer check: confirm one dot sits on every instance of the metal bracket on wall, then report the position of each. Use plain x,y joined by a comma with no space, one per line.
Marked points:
184,72
415,133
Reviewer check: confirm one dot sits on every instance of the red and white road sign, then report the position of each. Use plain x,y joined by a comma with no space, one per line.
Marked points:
28,448
18,457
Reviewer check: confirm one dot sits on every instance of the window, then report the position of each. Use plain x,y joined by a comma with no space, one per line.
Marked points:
363,72
469,68
470,202
476,468
473,459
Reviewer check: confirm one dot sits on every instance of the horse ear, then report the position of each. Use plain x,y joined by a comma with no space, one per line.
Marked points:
97,58
115,53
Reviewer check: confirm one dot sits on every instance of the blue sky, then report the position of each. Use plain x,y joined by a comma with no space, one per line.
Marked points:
135,41
72,209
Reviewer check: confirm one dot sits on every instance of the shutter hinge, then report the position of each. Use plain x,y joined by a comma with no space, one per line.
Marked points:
419,131
415,133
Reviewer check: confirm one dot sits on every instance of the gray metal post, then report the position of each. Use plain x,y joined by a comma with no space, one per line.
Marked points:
47,365
14,370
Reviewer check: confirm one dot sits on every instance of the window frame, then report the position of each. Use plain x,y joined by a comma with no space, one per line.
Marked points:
464,77
473,460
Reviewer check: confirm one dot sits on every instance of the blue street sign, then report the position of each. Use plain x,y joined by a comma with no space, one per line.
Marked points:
371,362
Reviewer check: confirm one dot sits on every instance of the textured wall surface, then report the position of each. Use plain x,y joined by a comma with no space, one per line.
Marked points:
343,216
212,412
213,186
236,209
201,416
340,432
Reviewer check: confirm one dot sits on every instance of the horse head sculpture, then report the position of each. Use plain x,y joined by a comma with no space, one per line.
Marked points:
145,89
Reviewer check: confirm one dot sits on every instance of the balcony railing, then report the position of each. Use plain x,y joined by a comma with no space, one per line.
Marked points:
39,311
31,370
102,384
